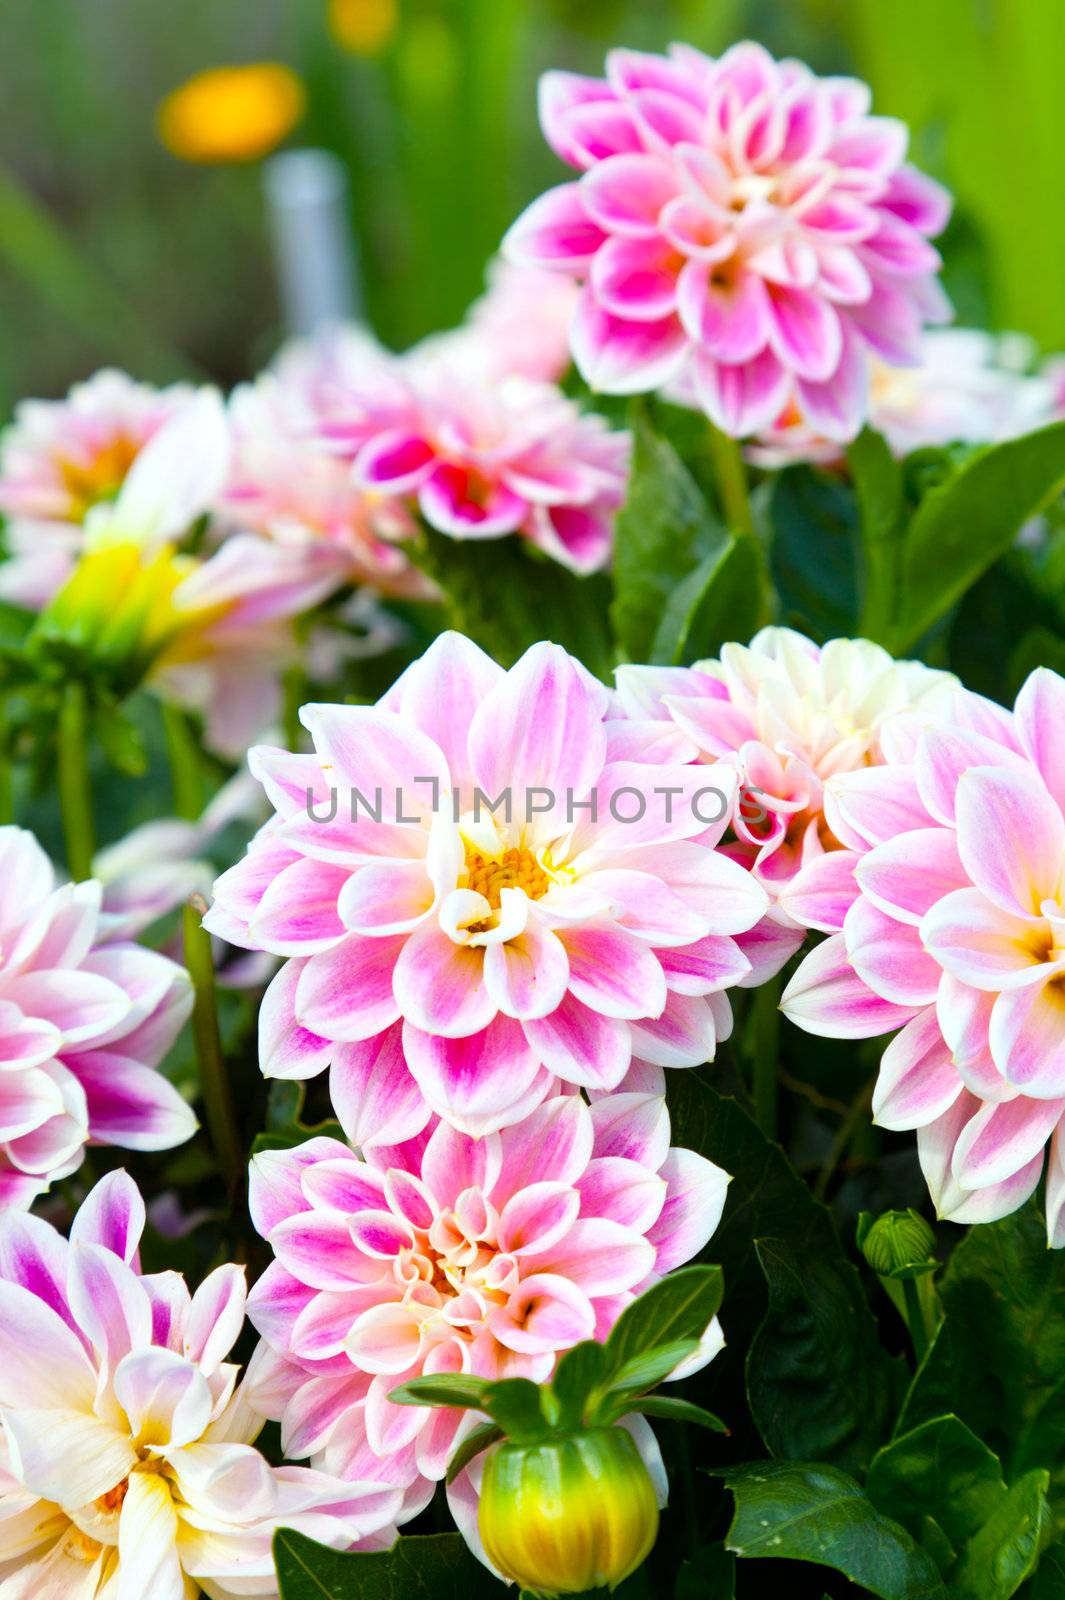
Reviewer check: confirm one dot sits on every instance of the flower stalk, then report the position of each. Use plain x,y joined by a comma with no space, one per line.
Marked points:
214,1081
75,788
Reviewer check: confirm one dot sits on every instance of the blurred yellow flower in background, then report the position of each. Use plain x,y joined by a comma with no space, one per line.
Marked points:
231,113
363,26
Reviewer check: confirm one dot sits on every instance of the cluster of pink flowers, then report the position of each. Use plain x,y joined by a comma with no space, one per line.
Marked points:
739,225
306,485
499,905
503,911
947,922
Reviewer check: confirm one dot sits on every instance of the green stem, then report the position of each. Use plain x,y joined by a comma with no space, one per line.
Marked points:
879,590
184,757
844,1134
214,1082
764,1041
915,1318
75,788
730,475
295,691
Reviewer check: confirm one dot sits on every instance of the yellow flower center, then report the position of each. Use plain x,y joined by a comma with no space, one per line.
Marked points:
90,482
112,1500
514,869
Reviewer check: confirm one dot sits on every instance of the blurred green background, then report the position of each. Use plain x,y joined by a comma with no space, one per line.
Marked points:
113,250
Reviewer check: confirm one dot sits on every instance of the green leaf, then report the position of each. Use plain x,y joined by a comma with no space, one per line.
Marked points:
484,1435
430,1567
719,600
506,597
15,625
998,1358
963,525
578,1375
814,521
670,1409
666,531
680,1306
651,1366
810,1512
443,1390
815,1374
767,1199
517,1404
940,1470
1005,1550
284,1127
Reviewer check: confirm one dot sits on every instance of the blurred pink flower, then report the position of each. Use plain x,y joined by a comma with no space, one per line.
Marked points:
458,1255
83,1025
126,1459
446,955
964,389
740,220
953,931
790,715
58,460
482,456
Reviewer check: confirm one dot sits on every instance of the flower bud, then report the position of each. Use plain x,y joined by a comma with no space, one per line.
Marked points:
896,1241
116,615
576,1513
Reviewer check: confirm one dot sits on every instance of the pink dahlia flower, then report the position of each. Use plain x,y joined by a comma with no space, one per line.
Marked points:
951,930
126,1459
964,389
481,457
83,1025
58,460
447,956
790,715
739,222
452,1254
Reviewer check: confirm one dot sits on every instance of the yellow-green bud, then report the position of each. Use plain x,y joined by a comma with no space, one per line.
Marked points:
896,1241
576,1513
116,610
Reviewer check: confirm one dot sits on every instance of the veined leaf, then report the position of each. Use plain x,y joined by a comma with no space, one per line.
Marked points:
810,1512
679,1307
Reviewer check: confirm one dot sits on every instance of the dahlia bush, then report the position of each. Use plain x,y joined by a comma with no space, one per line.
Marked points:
559,903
